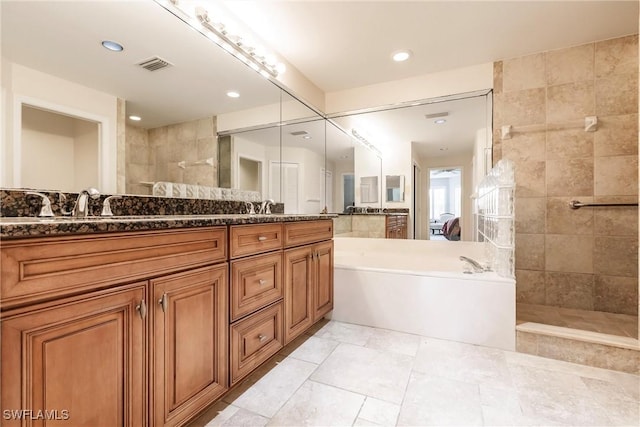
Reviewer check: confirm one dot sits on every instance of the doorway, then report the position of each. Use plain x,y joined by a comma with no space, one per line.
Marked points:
249,174
445,203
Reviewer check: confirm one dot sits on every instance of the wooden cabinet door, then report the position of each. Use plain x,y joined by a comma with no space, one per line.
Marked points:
190,326
298,292
323,280
81,361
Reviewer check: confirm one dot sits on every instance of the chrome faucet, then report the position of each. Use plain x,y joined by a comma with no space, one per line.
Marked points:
265,207
250,209
475,265
81,208
45,208
106,205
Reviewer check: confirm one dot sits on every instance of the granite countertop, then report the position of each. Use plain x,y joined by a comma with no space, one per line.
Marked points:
22,227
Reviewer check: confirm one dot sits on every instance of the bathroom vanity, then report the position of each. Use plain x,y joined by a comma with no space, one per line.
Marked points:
146,321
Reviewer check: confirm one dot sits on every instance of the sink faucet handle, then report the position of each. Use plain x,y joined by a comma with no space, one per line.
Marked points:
268,203
45,208
106,205
250,208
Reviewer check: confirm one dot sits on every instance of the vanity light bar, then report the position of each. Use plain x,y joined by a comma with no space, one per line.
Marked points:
362,140
232,43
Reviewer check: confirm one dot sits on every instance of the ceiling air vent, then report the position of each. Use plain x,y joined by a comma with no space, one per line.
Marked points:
299,133
154,64
436,115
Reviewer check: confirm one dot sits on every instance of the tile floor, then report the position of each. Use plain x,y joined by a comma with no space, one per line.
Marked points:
623,325
340,374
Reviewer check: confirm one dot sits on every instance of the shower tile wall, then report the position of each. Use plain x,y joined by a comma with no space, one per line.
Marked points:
586,258
153,154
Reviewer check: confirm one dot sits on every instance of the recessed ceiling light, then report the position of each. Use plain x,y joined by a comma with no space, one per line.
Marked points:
232,94
135,118
401,55
439,121
306,137
111,45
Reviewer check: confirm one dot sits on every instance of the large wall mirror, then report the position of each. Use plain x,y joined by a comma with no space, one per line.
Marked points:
64,93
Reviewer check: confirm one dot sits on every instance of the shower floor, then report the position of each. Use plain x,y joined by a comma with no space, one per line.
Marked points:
623,325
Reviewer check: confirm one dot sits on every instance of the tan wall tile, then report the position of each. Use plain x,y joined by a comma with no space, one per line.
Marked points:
574,64
616,294
569,290
206,128
617,135
526,72
530,179
617,94
530,286
617,56
616,176
530,251
530,215
569,102
526,343
498,67
561,219
616,221
524,147
569,143
570,177
524,107
622,359
616,256
571,254
207,147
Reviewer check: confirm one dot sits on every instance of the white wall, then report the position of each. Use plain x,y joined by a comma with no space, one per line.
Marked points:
459,80
58,152
22,85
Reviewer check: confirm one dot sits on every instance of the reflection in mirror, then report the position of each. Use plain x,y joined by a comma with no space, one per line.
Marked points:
181,106
369,189
394,185
442,133
340,164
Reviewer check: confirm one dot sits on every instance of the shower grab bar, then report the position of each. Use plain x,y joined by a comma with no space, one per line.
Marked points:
576,204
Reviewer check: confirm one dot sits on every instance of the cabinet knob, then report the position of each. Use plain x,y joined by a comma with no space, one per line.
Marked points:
262,337
261,238
262,282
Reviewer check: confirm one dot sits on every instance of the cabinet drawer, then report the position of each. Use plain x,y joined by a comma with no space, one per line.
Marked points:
254,340
255,283
44,268
302,232
254,239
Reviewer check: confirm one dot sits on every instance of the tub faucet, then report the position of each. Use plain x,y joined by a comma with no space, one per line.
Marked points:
475,265
81,208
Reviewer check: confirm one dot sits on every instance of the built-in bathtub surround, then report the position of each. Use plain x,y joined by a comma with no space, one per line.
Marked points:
419,287
495,217
16,203
586,258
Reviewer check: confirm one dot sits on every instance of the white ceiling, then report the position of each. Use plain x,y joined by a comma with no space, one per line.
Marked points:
345,44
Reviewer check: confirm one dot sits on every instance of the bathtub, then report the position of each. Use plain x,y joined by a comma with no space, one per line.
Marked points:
418,287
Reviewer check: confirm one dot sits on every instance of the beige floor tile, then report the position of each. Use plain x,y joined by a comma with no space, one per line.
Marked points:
379,412
310,349
345,332
437,401
316,404
379,374
463,362
396,342
270,392
244,418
